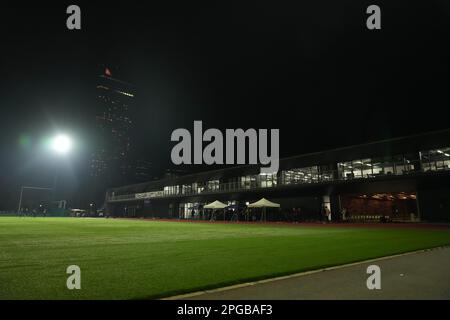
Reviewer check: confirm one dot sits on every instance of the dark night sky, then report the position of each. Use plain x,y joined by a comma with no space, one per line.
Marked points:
309,68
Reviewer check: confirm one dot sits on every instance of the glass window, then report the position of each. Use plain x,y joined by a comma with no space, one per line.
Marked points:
345,170
212,185
171,190
357,168
186,189
367,171
434,160
377,168
267,180
300,175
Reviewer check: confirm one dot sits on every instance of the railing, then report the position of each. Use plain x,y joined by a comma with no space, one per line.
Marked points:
280,181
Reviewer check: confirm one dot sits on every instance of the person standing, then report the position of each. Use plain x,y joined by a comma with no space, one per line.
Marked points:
328,214
324,214
344,214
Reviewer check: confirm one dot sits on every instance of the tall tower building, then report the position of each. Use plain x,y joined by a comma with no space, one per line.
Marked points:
110,158
142,170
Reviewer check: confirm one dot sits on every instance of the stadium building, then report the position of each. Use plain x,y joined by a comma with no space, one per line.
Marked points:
401,179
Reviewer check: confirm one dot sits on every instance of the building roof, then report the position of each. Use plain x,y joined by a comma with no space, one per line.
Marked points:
377,149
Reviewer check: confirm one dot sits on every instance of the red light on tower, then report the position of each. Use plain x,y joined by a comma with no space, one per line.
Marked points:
108,72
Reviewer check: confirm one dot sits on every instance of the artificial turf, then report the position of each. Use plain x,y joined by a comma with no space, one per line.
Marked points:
132,259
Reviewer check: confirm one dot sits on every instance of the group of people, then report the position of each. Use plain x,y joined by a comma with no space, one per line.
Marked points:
33,212
293,215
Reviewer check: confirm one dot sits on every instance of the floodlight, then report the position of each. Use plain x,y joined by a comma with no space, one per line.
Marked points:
61,144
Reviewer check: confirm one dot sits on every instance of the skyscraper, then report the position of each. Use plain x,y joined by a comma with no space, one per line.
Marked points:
142,171
110,159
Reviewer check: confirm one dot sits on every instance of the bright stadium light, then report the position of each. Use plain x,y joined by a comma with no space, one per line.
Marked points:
61,144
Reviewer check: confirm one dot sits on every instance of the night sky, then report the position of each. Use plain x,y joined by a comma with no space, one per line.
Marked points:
310,68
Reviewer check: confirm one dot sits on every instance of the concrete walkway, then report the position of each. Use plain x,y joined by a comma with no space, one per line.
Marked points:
421,275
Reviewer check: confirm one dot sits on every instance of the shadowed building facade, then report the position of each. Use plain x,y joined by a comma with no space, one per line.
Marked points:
401,179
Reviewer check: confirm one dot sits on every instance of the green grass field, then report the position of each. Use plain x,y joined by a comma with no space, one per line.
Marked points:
129,259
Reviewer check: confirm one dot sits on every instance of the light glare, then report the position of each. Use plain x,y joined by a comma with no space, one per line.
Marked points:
62,144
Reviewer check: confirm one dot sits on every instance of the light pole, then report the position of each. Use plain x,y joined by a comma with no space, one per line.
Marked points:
21,194
61,145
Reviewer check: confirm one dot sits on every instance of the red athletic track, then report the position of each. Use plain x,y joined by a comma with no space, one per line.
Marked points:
402,225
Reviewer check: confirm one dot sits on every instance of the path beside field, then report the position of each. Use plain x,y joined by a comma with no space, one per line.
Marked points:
375,225
423,275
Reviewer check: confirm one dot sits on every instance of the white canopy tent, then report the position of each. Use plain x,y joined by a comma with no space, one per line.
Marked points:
215,205
77,212
264,204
